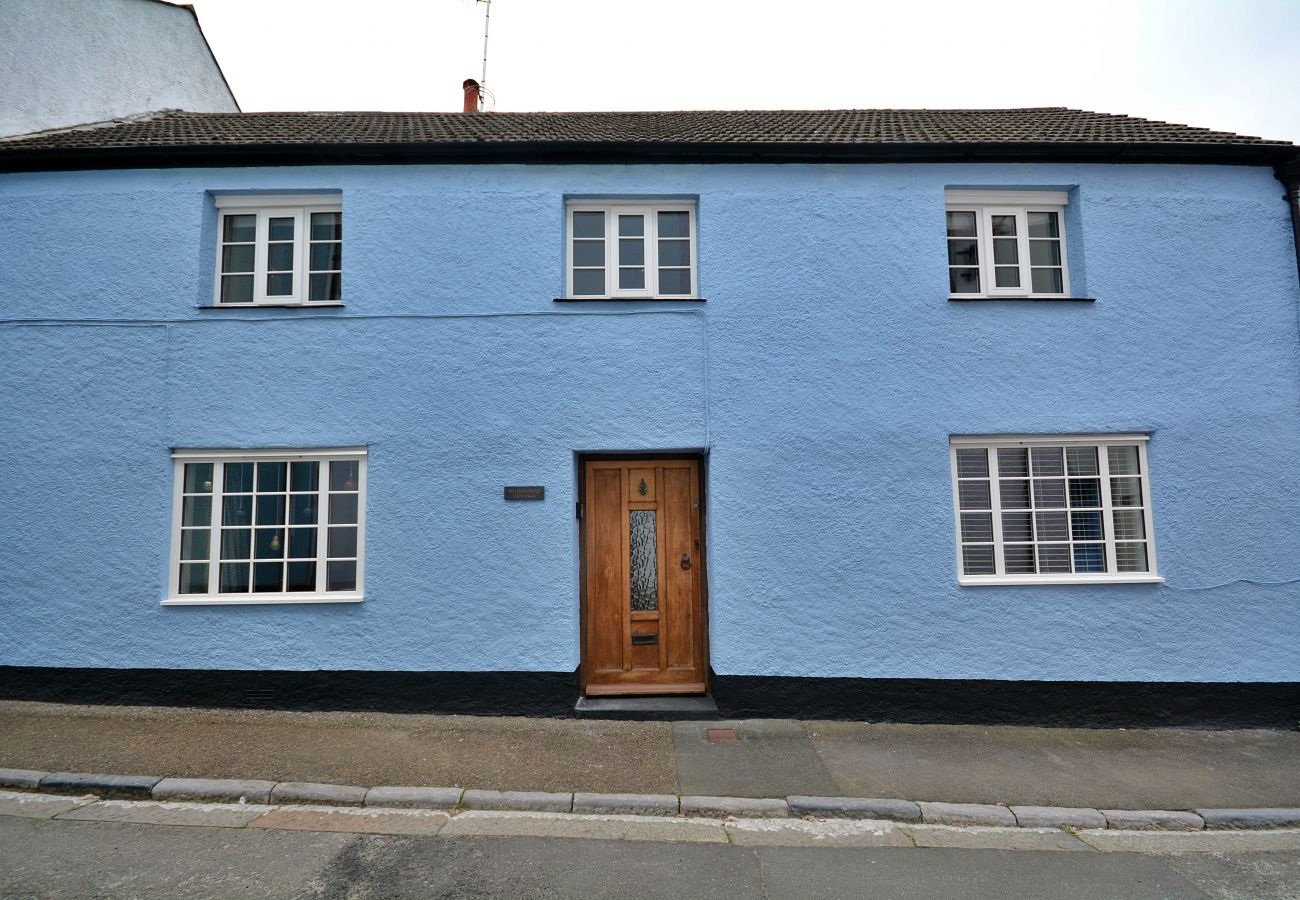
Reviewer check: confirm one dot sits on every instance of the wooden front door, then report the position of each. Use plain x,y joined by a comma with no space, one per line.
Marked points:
643,614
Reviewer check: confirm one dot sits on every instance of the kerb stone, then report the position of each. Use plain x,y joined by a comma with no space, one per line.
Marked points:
414,797
117,787
28,779
854,808
739,807
966,814
322,794
213,790
1152,820
1058,817
1224,819
534,801
626,804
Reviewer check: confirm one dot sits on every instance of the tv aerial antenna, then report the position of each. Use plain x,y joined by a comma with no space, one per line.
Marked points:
485,96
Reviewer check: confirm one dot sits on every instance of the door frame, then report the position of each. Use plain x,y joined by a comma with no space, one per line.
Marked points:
701,460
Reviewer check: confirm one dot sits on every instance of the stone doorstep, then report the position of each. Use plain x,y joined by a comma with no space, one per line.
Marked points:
215,790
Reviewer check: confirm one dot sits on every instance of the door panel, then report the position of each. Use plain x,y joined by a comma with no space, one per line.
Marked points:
643,630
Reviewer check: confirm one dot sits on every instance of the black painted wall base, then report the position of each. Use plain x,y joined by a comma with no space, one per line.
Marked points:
1094,704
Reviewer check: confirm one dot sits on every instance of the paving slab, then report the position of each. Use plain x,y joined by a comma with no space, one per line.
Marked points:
506,752
38,806
356,821
1153,768
830,833
1185,841
993,838
143,812
770,758
617,828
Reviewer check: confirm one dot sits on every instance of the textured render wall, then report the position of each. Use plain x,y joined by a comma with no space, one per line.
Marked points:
66,62
836,370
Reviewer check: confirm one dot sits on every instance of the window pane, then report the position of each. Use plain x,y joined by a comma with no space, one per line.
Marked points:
1089,558
343,509
589,224
195,544
977,526
631,252
1046,281
270,509
675,281
345,475
674,253
236,543
237,511
327,226
589,282
1129,525
342,542
271,476
237,289
302,543
631,226
1049,493
280,228
1004,226
1053,558
964,281
1086,526
268,543
239,478
304,475
325,288
198,478
234,578
1131,558
1016,526
279,257
961,223
302,509
241,227
325,256
1006,252
301,576
341,576
589,253
674,224
963,253
1123,460
267,577
1047,461
977,560
1081,460
194,578
1019,559
1043,225
196,511
1006,277
1014,494
279,285
631,279
973,495
973,463
237,258
1125,492
1013,462
1053,526
1044,253
1085,492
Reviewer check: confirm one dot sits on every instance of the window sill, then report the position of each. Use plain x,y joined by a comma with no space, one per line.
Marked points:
318,304
263,599
630,300
1004,580
976,298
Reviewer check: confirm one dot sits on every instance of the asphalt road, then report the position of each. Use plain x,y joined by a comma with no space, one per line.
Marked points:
52,858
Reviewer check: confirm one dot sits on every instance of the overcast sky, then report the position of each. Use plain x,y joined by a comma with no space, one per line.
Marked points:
1227,64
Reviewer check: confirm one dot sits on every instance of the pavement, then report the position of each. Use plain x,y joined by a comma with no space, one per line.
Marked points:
1100,768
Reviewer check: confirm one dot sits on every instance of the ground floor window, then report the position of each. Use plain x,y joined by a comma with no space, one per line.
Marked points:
1052,509
271,526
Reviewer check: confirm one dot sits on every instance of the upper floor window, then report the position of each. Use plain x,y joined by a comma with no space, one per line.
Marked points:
1007,243
631,250
1052,509
268,526
277,251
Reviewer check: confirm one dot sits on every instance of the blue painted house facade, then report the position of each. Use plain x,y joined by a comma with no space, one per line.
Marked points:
985,415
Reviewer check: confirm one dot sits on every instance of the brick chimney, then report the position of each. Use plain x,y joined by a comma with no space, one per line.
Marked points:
471,95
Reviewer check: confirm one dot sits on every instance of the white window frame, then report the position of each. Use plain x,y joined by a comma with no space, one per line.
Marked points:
985,205
219,458
992,443
612,211
300,207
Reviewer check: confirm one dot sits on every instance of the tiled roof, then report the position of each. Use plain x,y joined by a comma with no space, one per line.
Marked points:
879,132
